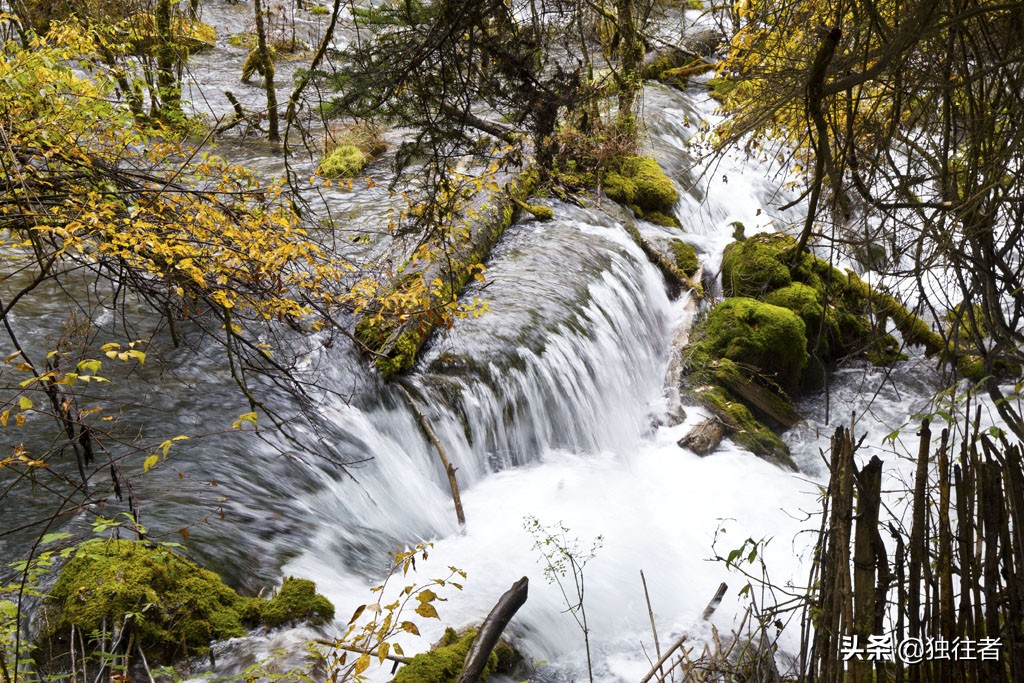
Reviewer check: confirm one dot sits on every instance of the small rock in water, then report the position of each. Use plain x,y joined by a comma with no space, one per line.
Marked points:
704,437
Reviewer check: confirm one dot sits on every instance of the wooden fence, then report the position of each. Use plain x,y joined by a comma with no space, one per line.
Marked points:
940,602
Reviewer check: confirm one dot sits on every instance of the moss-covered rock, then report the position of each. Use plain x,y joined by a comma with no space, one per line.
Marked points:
756,266
639,182
685,256
178,607
751,332
173,607
296,601
344,161
663,219
443,662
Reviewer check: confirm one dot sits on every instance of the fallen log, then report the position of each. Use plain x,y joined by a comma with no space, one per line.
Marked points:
492,628
395,342
764,401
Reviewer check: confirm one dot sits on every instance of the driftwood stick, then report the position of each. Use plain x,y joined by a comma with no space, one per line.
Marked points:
361,651
441,453
704,437
650,614
708,611
491,630
664,658
715,601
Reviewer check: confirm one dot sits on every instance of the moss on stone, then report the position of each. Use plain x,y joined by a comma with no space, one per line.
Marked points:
766,337
173,607
757,265
443,663
639,182
296,601
344,161
685,256
179,607
663,219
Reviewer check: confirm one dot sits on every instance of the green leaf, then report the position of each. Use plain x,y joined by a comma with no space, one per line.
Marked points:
25,403
426,610
54,537
151,462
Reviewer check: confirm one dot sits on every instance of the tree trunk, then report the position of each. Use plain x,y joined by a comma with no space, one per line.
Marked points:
168,89
632,62
268,73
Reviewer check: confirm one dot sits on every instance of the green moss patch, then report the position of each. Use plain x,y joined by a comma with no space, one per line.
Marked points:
754,333
296,601
344,161
639,182
443,663
756,266
169,605
685,257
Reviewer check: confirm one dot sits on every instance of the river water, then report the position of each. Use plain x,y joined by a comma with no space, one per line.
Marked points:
552,405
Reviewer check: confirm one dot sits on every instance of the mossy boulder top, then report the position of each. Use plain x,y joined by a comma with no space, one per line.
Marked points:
443,662
639,183
344,161
172,607
769,338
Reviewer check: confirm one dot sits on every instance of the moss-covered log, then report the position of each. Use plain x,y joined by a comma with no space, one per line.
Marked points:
395,344
678,279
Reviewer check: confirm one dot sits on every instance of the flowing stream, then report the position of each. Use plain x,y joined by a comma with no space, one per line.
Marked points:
551,405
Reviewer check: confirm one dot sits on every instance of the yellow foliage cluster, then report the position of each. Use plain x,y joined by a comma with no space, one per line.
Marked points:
85,182
780,47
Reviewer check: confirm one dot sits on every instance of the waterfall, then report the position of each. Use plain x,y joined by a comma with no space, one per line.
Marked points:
550,405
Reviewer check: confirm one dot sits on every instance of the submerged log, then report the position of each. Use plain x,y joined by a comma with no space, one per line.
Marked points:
491,630
704,437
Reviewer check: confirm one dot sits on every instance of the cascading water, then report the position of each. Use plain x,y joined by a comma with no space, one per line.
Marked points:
548,406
